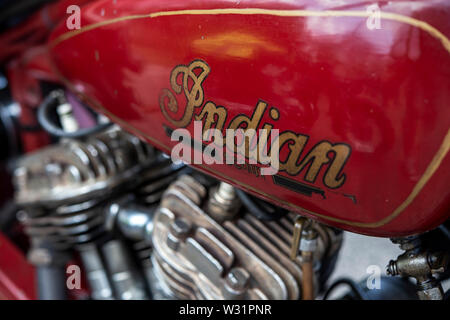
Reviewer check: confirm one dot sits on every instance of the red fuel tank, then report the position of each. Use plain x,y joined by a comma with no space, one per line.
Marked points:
360,95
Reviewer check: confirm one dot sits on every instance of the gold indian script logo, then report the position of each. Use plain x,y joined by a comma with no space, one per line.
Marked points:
188,80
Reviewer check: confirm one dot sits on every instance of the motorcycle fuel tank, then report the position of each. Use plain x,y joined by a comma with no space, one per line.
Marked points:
359,94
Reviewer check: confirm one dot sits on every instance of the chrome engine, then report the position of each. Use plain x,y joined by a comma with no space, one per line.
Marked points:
199,257
143,227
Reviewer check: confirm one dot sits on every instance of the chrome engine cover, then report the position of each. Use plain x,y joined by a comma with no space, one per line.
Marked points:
73,170
196,257
187,247
63,187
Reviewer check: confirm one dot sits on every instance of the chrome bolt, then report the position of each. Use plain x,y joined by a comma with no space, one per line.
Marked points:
223,203
225,192
391,269
180,227
238,279
236,284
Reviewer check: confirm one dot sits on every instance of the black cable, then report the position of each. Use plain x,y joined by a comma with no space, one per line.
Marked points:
30,127
444,230
353,286
24,7
8,216
256,209
53,100
9,134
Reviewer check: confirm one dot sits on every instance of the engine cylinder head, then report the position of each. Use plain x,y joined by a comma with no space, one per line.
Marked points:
63,188
197,256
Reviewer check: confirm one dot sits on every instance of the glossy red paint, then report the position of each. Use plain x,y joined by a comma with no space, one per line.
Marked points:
35,29
16,274
385,92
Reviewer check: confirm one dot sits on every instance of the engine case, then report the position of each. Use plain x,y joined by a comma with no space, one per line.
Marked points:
196,257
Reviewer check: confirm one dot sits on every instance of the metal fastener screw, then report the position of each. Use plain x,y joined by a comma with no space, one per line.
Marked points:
180,227
391,268
238,279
